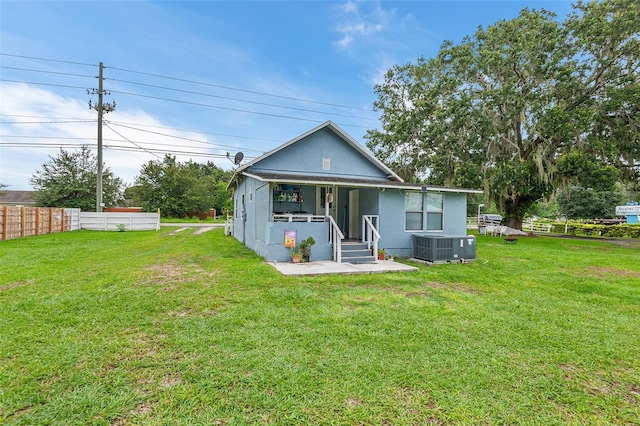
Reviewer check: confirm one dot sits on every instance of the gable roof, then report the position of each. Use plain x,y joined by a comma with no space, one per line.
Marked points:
10,196
391,175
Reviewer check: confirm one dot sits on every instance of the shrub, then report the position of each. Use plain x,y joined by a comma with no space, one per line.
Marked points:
590,229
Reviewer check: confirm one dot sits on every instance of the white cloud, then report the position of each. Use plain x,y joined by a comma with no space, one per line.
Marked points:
354,25
349,7
38,123
345,43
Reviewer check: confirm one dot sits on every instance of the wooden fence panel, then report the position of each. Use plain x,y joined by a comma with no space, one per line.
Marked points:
18,221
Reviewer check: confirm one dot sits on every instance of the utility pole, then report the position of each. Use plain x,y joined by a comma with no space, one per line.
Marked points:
101,108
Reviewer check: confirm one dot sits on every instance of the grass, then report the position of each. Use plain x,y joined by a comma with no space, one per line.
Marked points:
159,328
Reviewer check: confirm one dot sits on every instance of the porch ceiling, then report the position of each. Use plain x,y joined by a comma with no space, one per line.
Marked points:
342,181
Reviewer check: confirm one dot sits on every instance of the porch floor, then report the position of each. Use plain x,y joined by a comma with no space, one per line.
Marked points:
321,267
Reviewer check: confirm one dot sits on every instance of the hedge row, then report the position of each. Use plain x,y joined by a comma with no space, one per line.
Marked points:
589,229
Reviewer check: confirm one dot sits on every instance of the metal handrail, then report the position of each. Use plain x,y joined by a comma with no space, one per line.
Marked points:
335,238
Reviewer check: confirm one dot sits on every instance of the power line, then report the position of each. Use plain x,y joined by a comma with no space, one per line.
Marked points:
232,109
123,137
48,122
43,84
118,148
240,100
47,137
62,138
49,60
180,137
213,145
196,131
240,90
192,103
255,92
47,72
147,125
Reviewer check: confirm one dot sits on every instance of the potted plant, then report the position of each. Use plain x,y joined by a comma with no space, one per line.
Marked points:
381,254
296,256
305,248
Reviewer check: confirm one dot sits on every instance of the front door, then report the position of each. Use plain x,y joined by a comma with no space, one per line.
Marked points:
327,195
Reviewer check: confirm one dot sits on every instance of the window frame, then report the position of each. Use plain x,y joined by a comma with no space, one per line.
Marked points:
431,212
411,194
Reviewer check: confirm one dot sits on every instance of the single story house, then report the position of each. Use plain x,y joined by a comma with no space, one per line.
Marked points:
323,184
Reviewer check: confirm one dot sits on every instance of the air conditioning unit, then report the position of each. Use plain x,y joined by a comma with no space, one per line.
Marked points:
434,248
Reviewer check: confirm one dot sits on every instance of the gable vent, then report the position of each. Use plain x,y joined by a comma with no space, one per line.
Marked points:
326,163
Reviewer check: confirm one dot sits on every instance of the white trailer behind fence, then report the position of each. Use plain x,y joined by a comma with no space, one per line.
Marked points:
118,221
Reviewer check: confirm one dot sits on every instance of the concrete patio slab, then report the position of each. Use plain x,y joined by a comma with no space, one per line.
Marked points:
322,267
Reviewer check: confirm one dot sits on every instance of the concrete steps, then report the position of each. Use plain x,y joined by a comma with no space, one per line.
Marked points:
356,252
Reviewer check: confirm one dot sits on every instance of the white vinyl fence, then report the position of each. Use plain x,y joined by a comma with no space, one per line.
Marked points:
529,225
116,221
74,218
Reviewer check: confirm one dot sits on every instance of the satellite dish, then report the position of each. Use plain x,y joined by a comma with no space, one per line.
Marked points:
238,158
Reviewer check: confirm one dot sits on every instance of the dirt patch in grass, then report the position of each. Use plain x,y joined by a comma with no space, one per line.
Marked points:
434,285
15,284
515,259
141,409
353,402
628,243
601,271
172,274
417,294
169,381
175,231
452,286
193,313
203,230
596,384
19,412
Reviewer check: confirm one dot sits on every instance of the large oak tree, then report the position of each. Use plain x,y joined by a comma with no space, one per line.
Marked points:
513,107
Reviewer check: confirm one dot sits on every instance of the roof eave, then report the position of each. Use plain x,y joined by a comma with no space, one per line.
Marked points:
382,184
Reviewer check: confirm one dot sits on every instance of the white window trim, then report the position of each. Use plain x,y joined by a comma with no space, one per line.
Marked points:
422,225
441,211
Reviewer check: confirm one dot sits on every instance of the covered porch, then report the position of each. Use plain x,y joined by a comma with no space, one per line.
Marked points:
332,214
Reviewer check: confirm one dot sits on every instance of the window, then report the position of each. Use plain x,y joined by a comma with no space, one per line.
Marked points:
413,211
250,193
434,212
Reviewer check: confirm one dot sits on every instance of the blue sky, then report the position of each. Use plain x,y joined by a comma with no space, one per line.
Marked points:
203,78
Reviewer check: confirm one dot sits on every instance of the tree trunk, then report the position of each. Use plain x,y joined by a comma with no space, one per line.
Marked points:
515,222
513,212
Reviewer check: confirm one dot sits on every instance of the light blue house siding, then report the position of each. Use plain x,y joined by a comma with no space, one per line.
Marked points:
266,237
326,160
396,240
321,154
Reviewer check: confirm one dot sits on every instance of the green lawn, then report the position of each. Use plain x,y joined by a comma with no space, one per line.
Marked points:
152,328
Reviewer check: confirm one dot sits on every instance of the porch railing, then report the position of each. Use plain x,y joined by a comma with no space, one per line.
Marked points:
335,238
370,234
297,217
